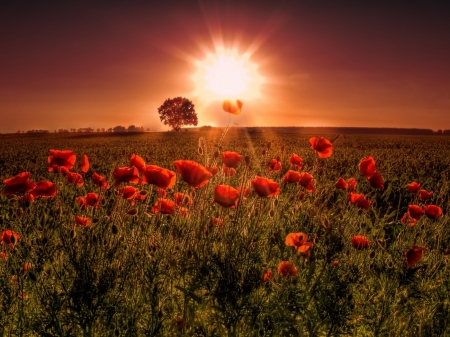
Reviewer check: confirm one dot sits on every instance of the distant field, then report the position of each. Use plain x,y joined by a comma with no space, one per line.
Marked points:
134,271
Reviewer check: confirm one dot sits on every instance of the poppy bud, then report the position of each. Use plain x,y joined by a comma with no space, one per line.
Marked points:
271,213
132,211
13,239
44,241
32,276
275,202
95,220
143,193
372,254
269,144
216,154
117,332
447,251
200,151
94,239
103,202
73,234
114,229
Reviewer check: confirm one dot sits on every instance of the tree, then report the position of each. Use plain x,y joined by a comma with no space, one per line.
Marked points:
178,112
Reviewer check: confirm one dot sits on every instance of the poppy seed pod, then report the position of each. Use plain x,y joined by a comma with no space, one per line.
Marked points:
114,229
216,154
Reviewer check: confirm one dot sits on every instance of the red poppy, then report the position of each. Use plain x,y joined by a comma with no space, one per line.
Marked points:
360,201
360,242
3,256
322,146
128,192
100,181
352,183
432,211
165,206
413,255
425,195
307,181
213,169
226,196
92,199
367,166
7,235
126,175
228,171
84,167
264,187
139,196
194,174
415,211
246,193
292,177
182,199
26,198
61,161
45,189
83,222
267,275
159,176
138,162
285,268
26,267
299,241
414,187
18,183
81,201
233,108
218,222
296,160
376,181
161,193
231,159
183,211
406,219
335,263
74,178
341,184
274,166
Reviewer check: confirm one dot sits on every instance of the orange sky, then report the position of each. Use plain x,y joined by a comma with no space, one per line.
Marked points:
324,64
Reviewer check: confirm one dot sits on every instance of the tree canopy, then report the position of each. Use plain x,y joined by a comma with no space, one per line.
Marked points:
178,112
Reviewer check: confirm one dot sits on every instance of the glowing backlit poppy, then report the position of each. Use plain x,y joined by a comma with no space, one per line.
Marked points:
128,192
164,206
264,187
341,184
81,221
274,166
194,174
376,181
292,177
7,237
415,211
307,181
126,175
137,162
74,178
408,220
322,146
228,171
182,199
285,268
360,242
296,160
299,241
226,196
213,169
92,200
352,183
413,255
159,176
84,167
367,166
267,275
360,201
231,159
100,181
61,161
18,183
231,107
414,187
425,195
45,189
218,222
432,211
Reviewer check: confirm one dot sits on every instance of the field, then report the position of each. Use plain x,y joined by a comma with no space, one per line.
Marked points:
210,270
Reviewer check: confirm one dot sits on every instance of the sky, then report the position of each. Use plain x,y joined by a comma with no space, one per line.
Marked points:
320,63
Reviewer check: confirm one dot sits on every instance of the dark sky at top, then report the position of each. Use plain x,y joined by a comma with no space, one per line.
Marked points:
101,64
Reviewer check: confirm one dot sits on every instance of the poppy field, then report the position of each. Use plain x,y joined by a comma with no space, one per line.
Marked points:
219,233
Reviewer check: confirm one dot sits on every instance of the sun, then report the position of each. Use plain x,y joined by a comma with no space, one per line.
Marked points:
226,74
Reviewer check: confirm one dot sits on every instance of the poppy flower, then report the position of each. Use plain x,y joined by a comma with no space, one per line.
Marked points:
322,146
159,176
3,256
413,255
218,222
26,267
139,196
352,183
246,192
231,159
414,187
274,166
74,178
183,211
408,220
213,169
360,201
226,196
425,195
18,183
61,161
138,162
100,181
233,108
335,263
296,160
292,177
376,181
360,242
228,171
415,211
194,174
299,241
83,222
267,275
93,200
45,189
161,193
26,198
264,187
128,192
84,167
165,206
285,268
307,181
7,239
367,166
182,199
126,175
341,184
432,211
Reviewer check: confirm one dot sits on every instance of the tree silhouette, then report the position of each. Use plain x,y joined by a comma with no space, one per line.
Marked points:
177,112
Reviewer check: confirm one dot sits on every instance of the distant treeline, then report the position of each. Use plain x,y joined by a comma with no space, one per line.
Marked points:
349,130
